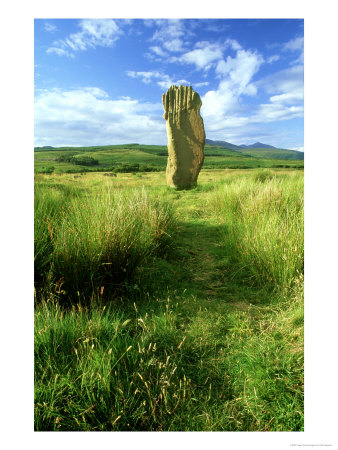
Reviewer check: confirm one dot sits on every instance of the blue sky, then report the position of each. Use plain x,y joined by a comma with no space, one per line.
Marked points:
100,82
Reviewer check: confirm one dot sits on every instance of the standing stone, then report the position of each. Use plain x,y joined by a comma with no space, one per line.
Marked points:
186,136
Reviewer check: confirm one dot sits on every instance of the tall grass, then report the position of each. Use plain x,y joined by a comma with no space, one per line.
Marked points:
96,241
49,205
106,370
263,231
192,356
166,366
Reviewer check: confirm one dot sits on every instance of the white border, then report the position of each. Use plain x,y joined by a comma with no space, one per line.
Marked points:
321,122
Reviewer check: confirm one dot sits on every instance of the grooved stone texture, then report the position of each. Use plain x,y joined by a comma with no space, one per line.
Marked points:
186,136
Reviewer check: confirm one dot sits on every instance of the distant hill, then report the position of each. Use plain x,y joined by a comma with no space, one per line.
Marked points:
257,145
237,148
259,150
224,144
135,158
215,152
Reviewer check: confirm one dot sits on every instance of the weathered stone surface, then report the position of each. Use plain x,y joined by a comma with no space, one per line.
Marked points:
186,136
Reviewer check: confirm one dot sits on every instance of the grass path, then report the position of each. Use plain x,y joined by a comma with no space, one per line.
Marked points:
205,260
258,340
192,348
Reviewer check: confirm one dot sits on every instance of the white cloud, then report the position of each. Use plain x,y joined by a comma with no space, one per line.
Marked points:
89,117
186,82
270,112
99,93
100,31
93,33
169,34
158,51
169,29
241,68
294,44
233,44
216,103
49,27
60,52
289,97
203,83
287,86
204,54
285,89
146,77
221,107
174,45
272,59
164,81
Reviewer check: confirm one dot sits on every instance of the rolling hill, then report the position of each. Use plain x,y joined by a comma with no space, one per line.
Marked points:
148,158
260,150
257,145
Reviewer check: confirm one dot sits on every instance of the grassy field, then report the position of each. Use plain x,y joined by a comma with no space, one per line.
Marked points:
274,153
165,310
143,158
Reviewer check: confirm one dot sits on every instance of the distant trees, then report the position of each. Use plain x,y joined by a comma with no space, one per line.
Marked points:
132,168
84,161
48,170
78,160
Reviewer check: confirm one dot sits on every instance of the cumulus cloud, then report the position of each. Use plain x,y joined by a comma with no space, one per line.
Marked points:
89,116
202,56
241,68
221,107
93,33
233,44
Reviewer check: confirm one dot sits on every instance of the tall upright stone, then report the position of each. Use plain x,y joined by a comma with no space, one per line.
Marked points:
186,136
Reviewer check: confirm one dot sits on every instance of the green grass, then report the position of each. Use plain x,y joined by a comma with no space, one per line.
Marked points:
90,242
153,157
207,332
263,226
267,153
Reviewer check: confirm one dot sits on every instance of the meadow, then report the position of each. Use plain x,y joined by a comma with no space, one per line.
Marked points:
152,158
165,310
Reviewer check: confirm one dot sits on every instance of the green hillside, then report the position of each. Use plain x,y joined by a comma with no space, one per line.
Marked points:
277,153
148,158
259,150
